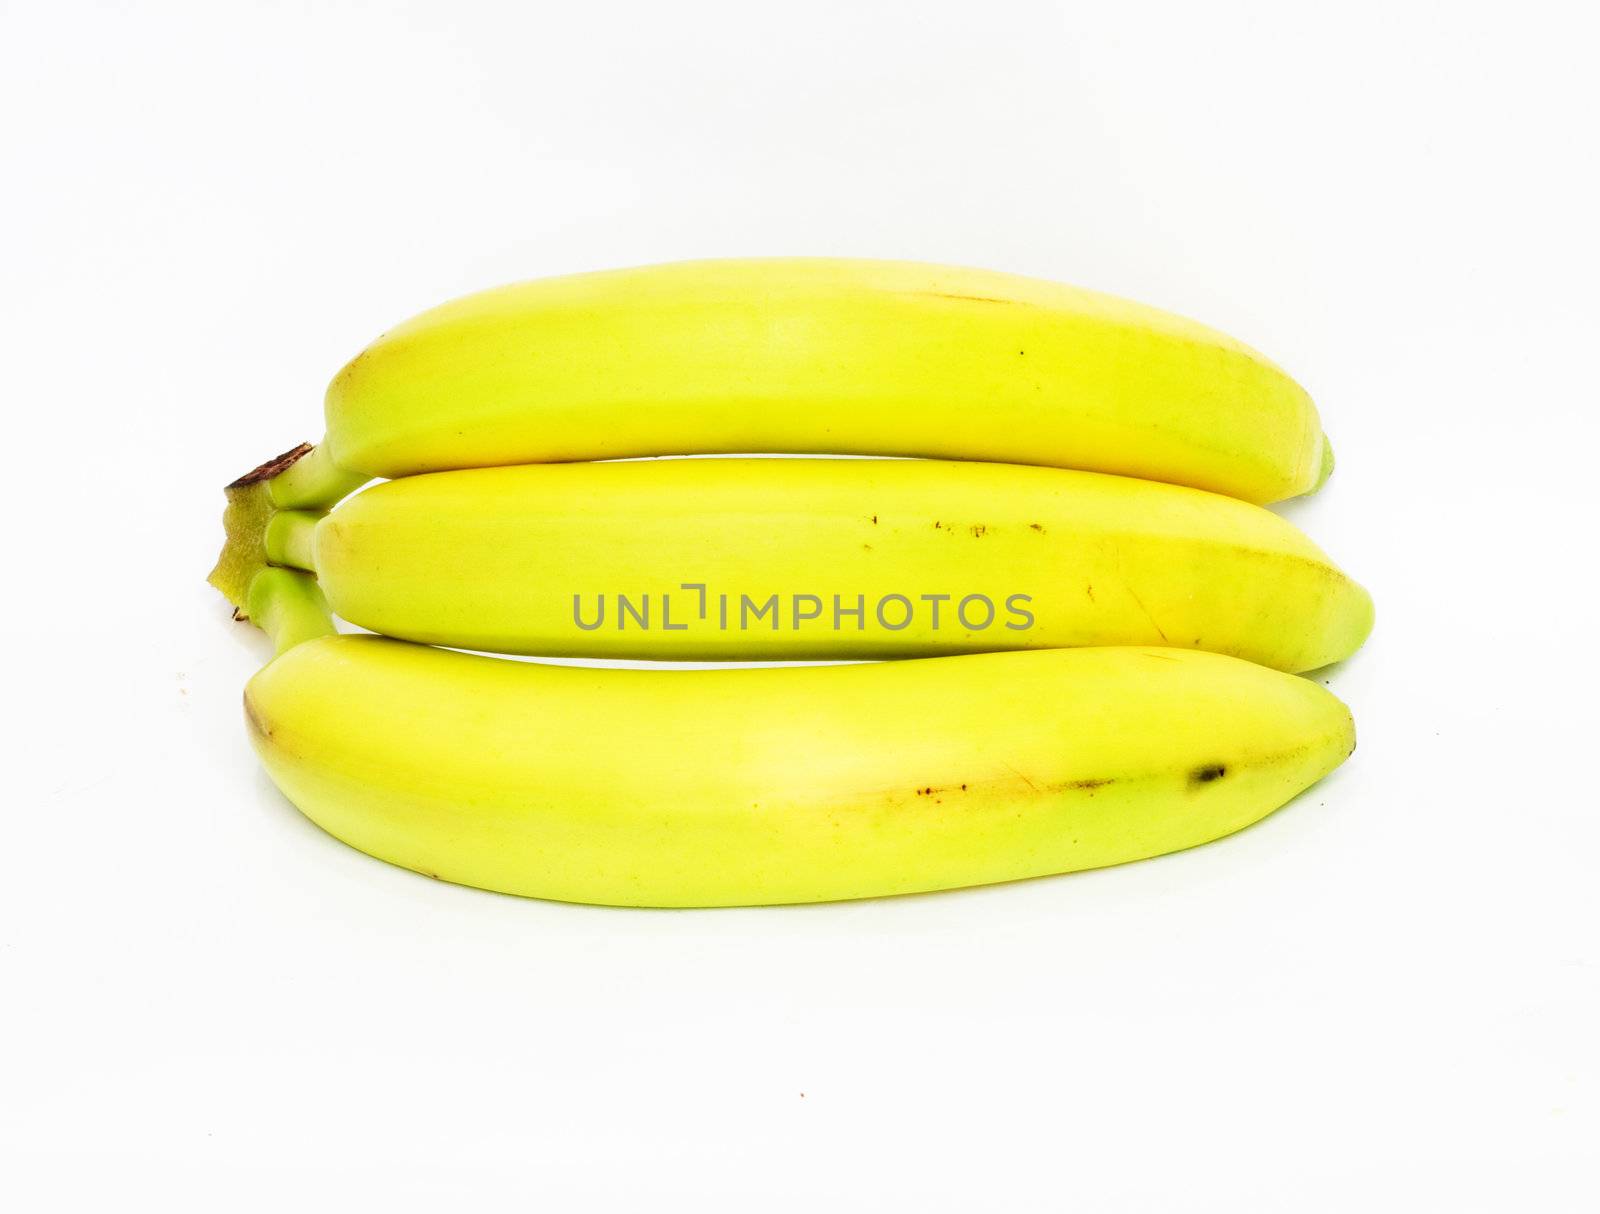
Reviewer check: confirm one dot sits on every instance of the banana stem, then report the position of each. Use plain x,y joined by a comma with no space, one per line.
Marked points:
312,481
290,539
289,607
291,482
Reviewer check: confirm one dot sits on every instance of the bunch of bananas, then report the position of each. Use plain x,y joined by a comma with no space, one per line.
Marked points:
1107,623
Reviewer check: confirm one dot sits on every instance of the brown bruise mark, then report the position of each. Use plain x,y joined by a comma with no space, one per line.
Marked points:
971,298
1039,527
1161,632
258,725
1208,773
978,529
348,371
1086,785
1021,776
929,790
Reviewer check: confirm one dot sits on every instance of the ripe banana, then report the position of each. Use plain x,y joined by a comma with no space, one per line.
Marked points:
795,558
813,355
787,784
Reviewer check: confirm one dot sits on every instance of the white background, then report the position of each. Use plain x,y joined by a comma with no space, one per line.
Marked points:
1385,997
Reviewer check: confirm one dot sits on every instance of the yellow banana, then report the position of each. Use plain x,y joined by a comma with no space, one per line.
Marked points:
813,355
795,558
788,784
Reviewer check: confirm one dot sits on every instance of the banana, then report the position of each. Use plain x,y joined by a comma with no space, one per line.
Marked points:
793,784
842,558
813,355
787,784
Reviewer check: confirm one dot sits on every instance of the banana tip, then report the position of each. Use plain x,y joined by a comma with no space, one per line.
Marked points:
1327,464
